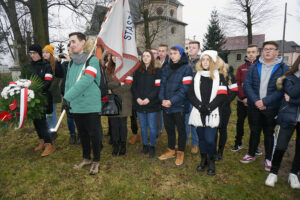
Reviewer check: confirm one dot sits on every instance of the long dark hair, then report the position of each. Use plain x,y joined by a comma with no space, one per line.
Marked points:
294,68
142,66
110,69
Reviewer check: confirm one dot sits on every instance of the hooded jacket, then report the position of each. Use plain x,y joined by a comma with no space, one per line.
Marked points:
252,85
176,79
289,112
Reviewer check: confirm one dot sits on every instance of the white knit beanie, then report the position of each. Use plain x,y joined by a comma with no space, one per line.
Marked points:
212,53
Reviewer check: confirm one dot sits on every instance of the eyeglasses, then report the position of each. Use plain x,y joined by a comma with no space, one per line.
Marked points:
32,52
269,49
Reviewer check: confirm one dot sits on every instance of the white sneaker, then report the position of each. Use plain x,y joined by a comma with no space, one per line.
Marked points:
294,181
271,180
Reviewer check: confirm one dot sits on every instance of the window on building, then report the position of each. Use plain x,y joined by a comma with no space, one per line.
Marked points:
171,12
173,29
238,56
159,11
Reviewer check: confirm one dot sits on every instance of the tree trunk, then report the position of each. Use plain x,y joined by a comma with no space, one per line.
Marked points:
249,24
10,10
38,26
146,29
45,19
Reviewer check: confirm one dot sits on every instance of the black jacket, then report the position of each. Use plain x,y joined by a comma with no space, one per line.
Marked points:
146,85
43,70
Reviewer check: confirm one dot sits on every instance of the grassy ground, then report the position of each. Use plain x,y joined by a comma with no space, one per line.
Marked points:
25,175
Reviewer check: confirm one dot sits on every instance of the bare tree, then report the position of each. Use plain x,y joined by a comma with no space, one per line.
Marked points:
246,14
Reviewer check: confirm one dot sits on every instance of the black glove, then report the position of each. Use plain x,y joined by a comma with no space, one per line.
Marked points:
66,105
204,110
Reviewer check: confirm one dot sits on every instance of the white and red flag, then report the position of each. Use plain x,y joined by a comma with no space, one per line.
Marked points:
117,37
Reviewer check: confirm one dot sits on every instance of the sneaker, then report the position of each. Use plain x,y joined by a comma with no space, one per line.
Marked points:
247,159
258,152
236,148
94,168
169,154
271,180
294,181
83,163
268,165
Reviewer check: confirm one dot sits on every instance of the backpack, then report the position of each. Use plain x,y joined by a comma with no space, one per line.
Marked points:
103,81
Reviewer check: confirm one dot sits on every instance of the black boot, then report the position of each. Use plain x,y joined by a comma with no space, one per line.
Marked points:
115,149
122,149
145,149
211,166
203,162
219,155
152,152
72,140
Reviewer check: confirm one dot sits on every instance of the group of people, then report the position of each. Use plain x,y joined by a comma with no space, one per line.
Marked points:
187,92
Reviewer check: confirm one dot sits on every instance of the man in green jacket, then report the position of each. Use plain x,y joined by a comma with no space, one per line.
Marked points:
83,100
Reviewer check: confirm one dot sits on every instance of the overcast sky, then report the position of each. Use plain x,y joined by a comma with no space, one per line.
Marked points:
196,13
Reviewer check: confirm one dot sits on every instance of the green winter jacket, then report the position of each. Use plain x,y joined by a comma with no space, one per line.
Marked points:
84,96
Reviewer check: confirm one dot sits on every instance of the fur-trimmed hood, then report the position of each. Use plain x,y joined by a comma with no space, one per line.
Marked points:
157,64
89,45
279,82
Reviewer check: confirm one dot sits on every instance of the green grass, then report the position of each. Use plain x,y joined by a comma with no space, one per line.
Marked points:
25,175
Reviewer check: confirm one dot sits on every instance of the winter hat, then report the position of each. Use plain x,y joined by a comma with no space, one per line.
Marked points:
49,48
37,48
211,53
224,56
180,49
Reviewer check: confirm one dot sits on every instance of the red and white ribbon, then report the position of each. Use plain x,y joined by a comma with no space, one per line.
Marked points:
23,107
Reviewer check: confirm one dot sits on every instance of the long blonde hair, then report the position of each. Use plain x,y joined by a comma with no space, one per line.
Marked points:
212,66
223,69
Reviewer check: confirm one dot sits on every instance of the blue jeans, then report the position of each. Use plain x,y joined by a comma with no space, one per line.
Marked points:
148,120
194,135
207,140
71,125
53,120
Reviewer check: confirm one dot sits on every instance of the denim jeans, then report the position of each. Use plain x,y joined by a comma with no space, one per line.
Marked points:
188,128
71,125
148,120
53,120
207,140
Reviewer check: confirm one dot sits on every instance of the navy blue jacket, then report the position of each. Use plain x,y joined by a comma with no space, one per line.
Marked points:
289,111
176,79
252,84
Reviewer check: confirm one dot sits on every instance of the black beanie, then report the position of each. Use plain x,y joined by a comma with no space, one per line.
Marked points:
224,56
37,48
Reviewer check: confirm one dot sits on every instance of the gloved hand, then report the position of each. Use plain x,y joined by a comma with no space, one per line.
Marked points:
204,110
66,105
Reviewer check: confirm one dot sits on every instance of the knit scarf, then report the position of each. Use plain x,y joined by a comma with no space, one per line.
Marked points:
79,58
213,119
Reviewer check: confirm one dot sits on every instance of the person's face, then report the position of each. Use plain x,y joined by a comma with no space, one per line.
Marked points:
175,56
46,55
154,52
70,51
205,62
146,58
193,50
270,52
76,45
34,55
113,58
252,53
162,52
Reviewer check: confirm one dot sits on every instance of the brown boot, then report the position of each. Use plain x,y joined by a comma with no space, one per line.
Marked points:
134,139
179,158
194,149
41,145
48,149
169,154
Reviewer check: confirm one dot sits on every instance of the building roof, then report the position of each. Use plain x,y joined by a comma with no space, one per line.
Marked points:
170,19
241,42
171,1
97,19
289,46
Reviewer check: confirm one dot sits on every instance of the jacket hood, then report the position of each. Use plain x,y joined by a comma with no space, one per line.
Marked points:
157,64
183,60
246,59
89,45
277,60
